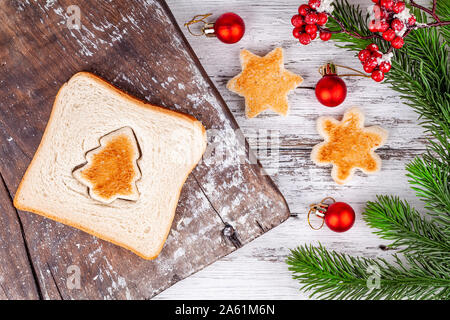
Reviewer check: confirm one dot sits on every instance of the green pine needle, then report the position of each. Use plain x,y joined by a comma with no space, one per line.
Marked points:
332,275
420,73
396,220
429,177
353,20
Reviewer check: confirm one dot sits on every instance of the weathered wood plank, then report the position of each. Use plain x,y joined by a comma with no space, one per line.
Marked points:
16,272
135,46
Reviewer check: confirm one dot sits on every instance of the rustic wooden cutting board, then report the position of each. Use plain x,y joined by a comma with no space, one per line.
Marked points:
137,46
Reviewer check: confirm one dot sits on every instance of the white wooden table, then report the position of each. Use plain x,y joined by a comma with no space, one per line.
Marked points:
258,270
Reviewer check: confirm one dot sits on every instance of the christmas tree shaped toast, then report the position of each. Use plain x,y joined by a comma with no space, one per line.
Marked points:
112,170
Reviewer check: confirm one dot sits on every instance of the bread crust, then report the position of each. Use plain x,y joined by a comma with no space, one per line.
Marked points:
137,101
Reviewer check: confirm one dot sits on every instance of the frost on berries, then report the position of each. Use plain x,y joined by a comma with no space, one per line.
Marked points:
389,20
387,15
326,6
374,62
310,20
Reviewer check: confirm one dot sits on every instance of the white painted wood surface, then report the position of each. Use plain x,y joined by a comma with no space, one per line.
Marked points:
258,271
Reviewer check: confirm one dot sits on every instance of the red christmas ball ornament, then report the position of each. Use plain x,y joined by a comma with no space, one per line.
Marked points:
338,216
228,28
331,90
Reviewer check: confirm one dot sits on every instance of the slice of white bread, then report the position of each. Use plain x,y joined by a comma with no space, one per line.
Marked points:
85,110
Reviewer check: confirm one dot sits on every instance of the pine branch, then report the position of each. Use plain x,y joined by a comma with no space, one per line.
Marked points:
420,73
396,220
353,20
331,275
429,177
431,12
443,11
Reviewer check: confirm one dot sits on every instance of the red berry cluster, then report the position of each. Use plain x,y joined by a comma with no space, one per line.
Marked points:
387,24
308,22
370,59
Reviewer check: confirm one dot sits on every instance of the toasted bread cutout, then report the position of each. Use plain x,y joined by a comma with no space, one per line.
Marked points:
348,145
264,82
111,170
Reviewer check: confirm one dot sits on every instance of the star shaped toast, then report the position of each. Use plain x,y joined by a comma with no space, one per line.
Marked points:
348,145
264,82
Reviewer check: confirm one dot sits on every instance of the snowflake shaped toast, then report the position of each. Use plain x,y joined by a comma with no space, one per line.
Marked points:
348,145
264,82
111,170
